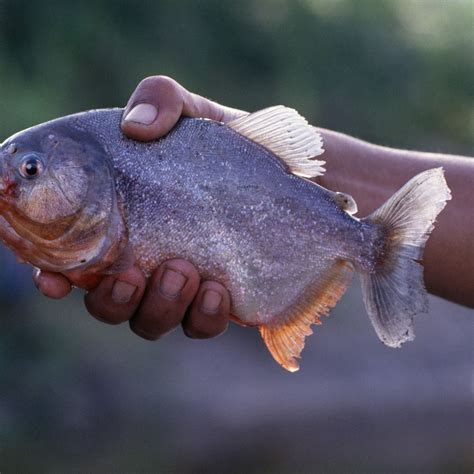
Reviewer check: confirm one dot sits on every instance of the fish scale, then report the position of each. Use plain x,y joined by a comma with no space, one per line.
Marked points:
196,224
233,200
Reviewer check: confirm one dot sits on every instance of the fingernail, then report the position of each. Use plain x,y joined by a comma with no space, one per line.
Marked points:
142,113
171,283
211,301
122,292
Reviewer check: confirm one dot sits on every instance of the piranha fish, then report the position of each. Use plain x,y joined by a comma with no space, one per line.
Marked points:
79,198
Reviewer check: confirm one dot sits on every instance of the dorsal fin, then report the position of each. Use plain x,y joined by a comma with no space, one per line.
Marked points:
285,337
288,135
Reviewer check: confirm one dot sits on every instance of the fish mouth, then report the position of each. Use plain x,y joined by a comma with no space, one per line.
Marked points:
6,188
7,183
7,191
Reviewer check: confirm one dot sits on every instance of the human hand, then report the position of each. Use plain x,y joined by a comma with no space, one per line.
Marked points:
174,294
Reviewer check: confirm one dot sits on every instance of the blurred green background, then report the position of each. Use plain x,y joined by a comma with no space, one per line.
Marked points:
78,396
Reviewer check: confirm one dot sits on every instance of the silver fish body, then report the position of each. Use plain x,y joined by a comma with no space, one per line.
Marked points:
284,247
227,204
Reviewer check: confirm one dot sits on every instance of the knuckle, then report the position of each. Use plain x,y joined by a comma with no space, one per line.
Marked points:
147,81
162,83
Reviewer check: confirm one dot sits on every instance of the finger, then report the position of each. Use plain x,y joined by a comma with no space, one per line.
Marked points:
209,314
170,291
52,285
117,297
199,107
157,104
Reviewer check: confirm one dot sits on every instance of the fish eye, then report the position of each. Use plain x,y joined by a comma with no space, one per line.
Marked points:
31,167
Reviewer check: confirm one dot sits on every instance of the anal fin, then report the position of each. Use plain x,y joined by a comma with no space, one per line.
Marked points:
285,338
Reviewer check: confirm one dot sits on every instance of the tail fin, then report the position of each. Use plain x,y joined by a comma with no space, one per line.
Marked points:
394,293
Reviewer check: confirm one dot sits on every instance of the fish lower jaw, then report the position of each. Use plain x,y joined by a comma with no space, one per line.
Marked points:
84,267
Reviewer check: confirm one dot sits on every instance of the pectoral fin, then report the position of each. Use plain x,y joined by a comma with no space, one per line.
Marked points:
286,337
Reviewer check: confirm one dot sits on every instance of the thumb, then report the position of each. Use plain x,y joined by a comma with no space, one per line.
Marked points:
159,101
